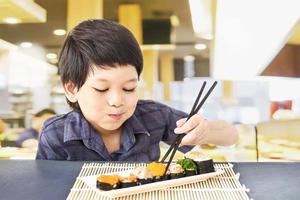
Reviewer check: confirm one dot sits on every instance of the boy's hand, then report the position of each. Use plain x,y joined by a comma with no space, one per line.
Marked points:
196,130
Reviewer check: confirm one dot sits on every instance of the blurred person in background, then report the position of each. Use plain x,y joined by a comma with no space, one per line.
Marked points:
29,137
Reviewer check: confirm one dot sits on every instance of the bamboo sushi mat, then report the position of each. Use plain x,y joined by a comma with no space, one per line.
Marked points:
223,186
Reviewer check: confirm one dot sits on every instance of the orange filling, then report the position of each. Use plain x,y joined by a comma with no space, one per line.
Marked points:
156,169
110,179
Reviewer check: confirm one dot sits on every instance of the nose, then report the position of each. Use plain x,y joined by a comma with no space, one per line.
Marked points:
115,99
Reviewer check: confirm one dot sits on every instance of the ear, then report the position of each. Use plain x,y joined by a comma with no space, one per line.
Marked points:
70,91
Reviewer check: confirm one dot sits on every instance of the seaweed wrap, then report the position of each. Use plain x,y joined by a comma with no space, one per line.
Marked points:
108,182
205,165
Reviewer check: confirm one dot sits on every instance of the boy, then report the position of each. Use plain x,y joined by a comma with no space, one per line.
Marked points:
100,64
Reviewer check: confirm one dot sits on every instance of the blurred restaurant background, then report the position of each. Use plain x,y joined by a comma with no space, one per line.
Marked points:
252,48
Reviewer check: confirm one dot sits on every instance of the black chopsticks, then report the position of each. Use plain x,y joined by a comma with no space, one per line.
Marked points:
194,110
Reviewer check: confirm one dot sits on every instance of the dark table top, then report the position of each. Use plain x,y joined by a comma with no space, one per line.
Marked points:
44,179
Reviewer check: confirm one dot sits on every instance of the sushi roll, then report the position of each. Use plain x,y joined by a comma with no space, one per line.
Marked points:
108,182
127,180
143,175
157,170
189,166
205,165
176,171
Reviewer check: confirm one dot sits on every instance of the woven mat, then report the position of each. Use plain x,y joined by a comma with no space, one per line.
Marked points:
224,186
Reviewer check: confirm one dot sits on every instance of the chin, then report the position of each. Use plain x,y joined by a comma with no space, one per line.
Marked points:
112,127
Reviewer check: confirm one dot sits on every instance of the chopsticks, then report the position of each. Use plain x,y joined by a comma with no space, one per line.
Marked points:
174,146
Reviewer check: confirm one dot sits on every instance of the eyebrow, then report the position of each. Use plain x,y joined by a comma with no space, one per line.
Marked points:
106,80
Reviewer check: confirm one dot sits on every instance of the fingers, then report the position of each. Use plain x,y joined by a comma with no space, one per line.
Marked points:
180,122
189,125
196,136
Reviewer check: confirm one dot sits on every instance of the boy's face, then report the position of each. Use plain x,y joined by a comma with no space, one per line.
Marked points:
109,96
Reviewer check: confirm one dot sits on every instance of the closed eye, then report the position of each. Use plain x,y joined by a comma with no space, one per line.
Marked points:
129,90
98,90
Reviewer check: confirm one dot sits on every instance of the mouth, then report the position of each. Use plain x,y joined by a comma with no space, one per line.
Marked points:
115,117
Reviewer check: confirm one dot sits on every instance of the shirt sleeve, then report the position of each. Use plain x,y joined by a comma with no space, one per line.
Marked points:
172,116
25,135
47,150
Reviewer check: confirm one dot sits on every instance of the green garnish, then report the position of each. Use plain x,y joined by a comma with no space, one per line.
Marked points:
187,164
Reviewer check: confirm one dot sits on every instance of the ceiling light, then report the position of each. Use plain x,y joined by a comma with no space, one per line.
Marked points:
11,20
51,56
59,32
26,44
200,46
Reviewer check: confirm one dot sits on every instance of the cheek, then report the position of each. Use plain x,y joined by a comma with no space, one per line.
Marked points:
131,100
97,105
91,102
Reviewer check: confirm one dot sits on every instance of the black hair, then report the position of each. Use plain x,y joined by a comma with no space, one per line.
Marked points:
45,111
100,43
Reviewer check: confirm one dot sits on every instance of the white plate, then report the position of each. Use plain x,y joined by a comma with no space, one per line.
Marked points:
91,182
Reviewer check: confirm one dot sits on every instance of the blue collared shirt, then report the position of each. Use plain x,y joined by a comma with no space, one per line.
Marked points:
71,137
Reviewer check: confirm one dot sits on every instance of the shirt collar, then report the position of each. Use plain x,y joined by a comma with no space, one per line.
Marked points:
76,127
131,128
136,125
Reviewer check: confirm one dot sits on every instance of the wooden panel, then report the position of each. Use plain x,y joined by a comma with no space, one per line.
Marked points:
80,10
167,74
284,64
130,15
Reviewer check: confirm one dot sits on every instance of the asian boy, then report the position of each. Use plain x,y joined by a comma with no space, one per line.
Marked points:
100,64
